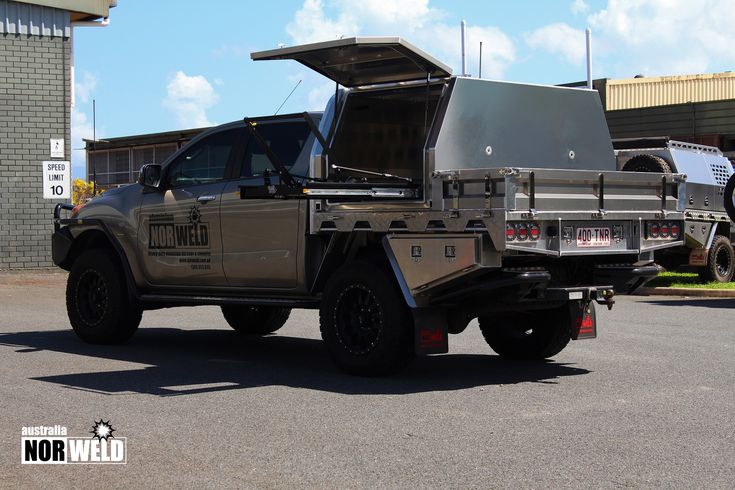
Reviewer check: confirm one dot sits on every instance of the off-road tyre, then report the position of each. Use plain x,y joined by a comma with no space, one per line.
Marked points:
364,321
528,335
720,261
647,163
255,320
97,301
729,196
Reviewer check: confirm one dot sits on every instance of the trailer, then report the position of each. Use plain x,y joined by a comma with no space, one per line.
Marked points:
708,231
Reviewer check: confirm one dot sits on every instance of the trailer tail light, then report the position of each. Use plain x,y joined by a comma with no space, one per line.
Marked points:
510,232
663,230
675,230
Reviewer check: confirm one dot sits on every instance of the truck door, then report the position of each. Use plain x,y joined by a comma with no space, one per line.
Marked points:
260,237
179,233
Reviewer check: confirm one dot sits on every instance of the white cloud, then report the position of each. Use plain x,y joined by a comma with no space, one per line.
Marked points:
84,86
188,98
81,129
311,25
81,124
665,36
560,39
414,20
319,96
408,14
651,37
579,7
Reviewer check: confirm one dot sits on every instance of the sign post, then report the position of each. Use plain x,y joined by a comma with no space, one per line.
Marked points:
56,179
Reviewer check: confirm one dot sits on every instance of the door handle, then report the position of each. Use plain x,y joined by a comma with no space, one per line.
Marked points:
206,199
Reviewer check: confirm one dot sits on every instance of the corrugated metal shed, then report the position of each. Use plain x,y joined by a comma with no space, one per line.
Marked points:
679,120
632,93
35,20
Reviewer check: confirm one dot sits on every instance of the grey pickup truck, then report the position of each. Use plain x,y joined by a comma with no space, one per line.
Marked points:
415,203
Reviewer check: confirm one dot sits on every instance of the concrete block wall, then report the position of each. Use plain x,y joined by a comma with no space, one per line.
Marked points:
34,107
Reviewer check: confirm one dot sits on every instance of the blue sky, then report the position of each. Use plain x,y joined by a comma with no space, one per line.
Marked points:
164,65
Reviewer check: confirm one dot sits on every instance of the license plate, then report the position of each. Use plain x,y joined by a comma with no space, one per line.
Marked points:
593,237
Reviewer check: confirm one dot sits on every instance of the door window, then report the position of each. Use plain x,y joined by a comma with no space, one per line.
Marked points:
205,161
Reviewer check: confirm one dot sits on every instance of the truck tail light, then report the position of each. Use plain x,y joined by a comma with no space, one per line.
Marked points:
522,231
664,230
675,230
653,230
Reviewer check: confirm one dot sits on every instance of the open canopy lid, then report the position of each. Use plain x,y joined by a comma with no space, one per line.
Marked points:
362,60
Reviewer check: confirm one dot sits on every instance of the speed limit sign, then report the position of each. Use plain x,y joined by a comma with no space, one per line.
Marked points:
56,179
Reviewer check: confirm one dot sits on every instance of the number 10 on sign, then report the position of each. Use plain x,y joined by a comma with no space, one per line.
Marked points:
56,179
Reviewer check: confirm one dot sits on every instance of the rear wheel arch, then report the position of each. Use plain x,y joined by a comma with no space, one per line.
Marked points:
723,229
347,249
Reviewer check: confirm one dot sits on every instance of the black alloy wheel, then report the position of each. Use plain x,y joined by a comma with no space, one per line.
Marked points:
359,320
92,297
365,322
97,301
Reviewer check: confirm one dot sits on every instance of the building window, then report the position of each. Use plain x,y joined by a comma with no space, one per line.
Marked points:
164,151
98,165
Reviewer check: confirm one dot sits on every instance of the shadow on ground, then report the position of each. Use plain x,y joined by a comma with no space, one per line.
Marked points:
182,362
698,302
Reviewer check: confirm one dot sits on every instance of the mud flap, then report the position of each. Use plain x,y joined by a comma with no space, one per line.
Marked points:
583,320
431,335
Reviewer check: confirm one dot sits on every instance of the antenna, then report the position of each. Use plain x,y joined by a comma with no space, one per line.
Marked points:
588,36
479,70
287,97
464,60
94,147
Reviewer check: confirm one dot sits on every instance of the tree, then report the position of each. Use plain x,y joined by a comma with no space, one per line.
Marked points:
81,191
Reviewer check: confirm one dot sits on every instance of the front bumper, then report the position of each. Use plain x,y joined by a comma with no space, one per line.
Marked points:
61,240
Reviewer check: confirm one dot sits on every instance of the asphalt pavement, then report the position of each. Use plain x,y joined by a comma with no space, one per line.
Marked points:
650,403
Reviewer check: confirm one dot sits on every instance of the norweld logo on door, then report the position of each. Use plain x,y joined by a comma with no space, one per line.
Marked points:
51,445
164,233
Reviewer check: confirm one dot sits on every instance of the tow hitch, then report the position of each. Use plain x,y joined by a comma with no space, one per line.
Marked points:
602,295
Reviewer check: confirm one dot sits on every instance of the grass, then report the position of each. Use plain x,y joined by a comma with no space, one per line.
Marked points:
686,280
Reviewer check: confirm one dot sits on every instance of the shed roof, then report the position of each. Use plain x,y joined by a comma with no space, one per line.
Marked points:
632,93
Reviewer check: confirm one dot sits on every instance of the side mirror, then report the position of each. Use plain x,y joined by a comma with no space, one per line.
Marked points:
150,175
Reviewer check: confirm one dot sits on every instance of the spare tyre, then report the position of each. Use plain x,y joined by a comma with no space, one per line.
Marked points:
647,163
